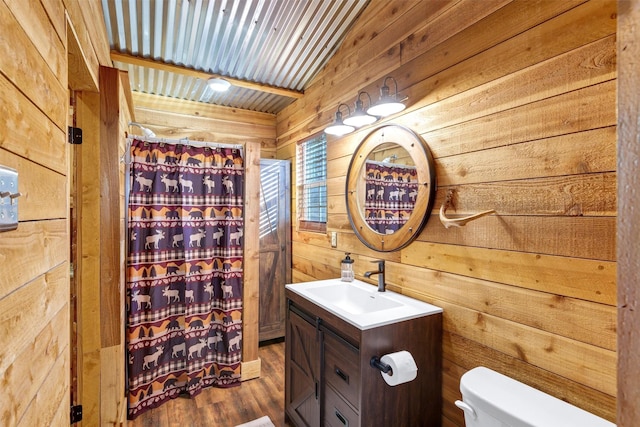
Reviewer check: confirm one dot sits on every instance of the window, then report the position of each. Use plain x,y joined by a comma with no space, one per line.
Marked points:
311,162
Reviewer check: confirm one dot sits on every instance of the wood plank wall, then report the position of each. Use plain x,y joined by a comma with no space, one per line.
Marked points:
198,121
35,76
175,119
517,101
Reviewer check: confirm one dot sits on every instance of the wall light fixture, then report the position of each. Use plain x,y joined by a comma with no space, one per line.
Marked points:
360,117
338,127
387,104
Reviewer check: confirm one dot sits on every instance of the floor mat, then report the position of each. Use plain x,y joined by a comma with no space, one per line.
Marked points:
260,422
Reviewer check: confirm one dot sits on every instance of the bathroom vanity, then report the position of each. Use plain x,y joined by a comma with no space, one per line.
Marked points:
333,331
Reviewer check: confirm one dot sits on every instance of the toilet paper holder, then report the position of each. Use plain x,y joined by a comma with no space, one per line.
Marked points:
377,364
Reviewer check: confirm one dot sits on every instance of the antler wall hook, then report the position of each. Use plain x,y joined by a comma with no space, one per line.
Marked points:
457,222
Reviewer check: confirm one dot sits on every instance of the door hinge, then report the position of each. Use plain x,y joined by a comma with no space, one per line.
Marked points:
76,413
75,135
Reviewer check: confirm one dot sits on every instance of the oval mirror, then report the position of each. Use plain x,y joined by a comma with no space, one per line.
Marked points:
390,188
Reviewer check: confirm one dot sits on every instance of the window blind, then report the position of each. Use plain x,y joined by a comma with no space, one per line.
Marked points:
311,178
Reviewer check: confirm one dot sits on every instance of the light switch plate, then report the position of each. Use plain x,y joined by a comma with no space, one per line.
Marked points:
334,239
8,199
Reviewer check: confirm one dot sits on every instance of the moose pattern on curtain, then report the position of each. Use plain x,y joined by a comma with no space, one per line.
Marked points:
184,271
391,192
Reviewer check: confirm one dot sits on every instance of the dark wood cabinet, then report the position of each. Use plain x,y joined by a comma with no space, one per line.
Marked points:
328,370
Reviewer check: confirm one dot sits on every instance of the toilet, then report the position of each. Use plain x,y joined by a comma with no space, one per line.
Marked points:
490,399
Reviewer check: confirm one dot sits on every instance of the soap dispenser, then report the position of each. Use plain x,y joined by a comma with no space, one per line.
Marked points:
346,269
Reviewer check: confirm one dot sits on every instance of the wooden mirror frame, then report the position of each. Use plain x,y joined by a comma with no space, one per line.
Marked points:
423,161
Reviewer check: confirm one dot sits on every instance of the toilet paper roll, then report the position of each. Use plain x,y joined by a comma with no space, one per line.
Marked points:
403,368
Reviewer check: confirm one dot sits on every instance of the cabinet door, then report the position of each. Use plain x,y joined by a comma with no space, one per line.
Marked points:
302,364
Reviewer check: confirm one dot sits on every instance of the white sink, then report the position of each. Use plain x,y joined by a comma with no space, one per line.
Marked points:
361,304
353,299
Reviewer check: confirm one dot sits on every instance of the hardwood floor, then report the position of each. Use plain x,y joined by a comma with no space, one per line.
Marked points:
232,406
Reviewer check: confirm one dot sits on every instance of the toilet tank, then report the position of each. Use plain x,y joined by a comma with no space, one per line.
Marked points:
490,399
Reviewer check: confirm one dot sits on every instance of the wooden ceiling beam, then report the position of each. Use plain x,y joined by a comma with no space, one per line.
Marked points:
150,63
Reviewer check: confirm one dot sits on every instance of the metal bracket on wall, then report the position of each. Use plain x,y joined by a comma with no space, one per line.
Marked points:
76,413
8,199
75,135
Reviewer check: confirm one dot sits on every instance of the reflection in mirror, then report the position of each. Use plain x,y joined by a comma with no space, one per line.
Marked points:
391,188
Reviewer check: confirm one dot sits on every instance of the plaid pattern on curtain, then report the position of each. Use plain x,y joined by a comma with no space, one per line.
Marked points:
184,271
391,192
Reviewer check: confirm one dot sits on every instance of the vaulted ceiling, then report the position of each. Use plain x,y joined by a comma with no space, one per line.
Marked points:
269,50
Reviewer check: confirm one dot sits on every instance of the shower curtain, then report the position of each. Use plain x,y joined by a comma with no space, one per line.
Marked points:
184,271
391,192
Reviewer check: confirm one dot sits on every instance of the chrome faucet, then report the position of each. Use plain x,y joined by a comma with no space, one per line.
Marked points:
380,273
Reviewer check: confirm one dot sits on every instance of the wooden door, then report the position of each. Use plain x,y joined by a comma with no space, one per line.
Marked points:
275,244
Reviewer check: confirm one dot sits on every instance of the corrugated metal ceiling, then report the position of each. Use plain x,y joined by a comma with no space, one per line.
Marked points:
276,43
